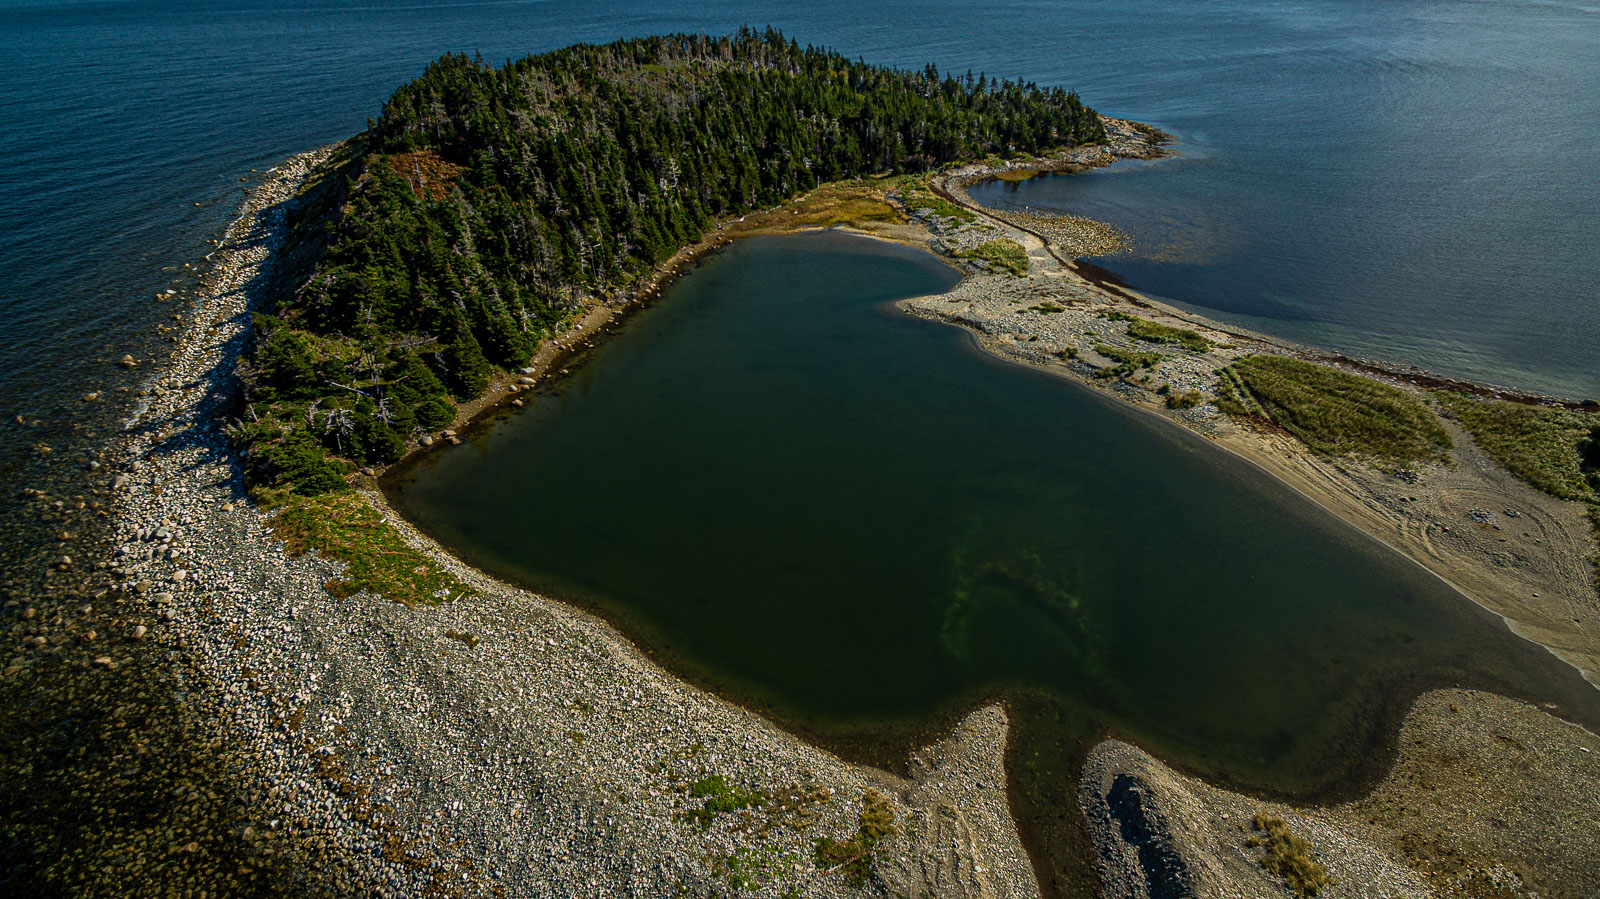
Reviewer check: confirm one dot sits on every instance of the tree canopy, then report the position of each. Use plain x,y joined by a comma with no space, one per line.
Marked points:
486,206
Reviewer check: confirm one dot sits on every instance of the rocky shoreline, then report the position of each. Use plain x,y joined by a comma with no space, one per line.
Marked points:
506,744
500,744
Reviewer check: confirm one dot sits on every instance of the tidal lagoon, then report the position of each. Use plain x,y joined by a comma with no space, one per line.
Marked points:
858,523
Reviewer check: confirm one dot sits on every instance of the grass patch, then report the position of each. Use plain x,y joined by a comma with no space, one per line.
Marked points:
1334,413
1289,856
464,637
1128,361
1555,450
1112,315
1047,308
1188,399
344,527
1155,332
853,857
721,798
915,195
1001,255
834,203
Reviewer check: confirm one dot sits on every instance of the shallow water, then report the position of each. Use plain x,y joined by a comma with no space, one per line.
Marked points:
854,520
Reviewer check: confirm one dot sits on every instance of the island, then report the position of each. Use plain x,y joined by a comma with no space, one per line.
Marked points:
414,724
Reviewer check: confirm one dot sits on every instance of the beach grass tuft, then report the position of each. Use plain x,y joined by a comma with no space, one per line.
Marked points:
346,528
1128,361
914,193
1289,856
1155,332
1555,450
853,857
1333,412
1001,255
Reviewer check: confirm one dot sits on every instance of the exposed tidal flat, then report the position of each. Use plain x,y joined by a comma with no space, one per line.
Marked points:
502,740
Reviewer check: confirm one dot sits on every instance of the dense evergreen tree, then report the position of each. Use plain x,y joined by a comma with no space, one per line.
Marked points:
486,205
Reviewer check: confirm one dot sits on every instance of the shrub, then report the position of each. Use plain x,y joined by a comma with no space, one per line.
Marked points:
1185,400
297,464
434,413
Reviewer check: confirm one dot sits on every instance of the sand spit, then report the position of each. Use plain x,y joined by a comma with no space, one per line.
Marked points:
504,744
1484,800
1481,801
501,744
1516,551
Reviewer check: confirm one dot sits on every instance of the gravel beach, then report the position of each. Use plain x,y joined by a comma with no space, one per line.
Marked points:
501,743
504,744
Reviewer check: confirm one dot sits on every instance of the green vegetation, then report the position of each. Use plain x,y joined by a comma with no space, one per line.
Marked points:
1114,315
1188,399
914,193
1332,412
1289,856
1155,332
1001,255
854,856
345,527
1047,308
838,203
488,207
463,637
1555,450
1128,361
721,797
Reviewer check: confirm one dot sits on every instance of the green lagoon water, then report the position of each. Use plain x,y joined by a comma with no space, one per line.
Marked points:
855,521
